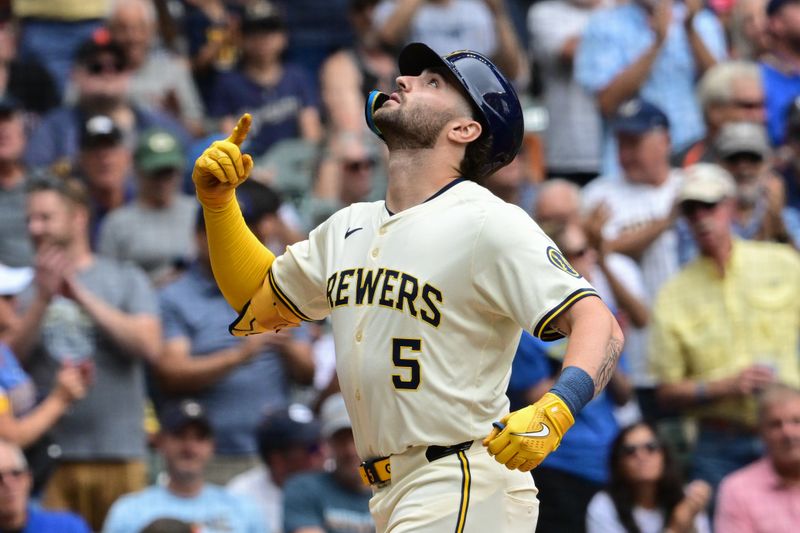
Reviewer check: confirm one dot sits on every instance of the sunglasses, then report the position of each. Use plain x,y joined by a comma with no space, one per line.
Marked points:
355,165
104,67
629,450
576,254
691,207
8,475
748,104
744,157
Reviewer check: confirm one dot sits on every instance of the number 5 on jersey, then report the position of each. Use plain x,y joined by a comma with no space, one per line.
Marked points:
410,379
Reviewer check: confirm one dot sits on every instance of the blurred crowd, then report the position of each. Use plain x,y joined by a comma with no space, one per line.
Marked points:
661,155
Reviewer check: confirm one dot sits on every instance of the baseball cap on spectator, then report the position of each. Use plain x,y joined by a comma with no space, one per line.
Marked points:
90,53
773,6
742,137
99,130
262,16
177,416
257,200
333,414
14,279
287,428
157,150
638,116
707,183
8,106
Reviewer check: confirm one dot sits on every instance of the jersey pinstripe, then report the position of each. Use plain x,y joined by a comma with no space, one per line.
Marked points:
426,307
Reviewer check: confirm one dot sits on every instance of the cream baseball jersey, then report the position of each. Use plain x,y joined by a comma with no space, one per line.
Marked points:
427,307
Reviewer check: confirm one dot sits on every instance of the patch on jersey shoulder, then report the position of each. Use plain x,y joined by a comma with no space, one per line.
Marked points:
557,259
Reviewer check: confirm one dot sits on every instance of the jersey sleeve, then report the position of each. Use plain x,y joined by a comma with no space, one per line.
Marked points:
521,273
298,277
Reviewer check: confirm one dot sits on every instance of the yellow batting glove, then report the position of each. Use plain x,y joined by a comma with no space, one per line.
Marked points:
222,167
530,434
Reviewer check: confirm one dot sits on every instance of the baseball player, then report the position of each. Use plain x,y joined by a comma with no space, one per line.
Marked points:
427,293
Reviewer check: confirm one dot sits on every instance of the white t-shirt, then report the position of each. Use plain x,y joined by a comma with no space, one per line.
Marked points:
601,517
257,485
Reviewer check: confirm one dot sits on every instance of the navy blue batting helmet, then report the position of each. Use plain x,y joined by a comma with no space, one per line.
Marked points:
493,97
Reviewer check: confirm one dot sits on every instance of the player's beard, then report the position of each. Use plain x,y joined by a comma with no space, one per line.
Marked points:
411,128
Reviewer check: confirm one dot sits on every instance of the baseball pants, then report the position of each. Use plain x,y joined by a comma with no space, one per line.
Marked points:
466,492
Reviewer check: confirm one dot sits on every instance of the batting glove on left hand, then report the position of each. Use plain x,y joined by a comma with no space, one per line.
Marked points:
530,434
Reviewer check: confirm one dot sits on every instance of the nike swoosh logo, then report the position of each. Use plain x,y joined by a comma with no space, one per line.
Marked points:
545,431
351,231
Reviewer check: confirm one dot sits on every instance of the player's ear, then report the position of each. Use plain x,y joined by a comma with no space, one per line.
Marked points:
464,130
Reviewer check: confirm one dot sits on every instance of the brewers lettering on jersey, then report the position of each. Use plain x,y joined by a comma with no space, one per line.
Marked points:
427,293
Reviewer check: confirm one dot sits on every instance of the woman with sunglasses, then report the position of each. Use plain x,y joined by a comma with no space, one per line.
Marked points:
645,493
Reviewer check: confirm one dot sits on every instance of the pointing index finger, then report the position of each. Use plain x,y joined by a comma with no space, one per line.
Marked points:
239,133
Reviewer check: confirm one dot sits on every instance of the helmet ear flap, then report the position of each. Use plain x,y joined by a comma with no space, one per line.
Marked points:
374,101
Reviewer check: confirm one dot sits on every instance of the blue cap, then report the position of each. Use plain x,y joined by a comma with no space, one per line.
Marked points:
175,416
638,116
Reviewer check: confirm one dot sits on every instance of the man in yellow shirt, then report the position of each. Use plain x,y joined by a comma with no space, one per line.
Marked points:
724,327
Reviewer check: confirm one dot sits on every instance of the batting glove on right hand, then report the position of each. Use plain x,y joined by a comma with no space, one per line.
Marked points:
530,434
222,167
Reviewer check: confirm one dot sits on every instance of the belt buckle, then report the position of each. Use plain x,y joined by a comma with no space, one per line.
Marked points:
376,472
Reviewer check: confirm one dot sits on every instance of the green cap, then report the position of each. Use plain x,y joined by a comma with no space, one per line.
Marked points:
158,149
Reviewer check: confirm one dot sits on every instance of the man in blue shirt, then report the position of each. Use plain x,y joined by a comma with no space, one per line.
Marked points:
336,501
186,444
780,69
16,512
653,49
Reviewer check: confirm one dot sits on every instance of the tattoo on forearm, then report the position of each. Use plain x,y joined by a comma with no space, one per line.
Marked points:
609,364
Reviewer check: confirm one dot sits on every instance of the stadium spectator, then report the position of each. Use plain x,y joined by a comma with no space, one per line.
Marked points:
646,493
351,171
186,444
447,25
27,81
335,501
725,327
729,91
281,97
744,151
156,229
52,30
15,247
574,130
288,443
640,206
101,79
763,497
348,75
655,50
779,65
104,165
513,183
17,512
237,379
102,316
212,37
558,201
132,24
749,39
788,156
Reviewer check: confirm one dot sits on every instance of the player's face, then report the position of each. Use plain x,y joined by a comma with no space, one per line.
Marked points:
186,452
418,110
51,220
642,457
781,432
